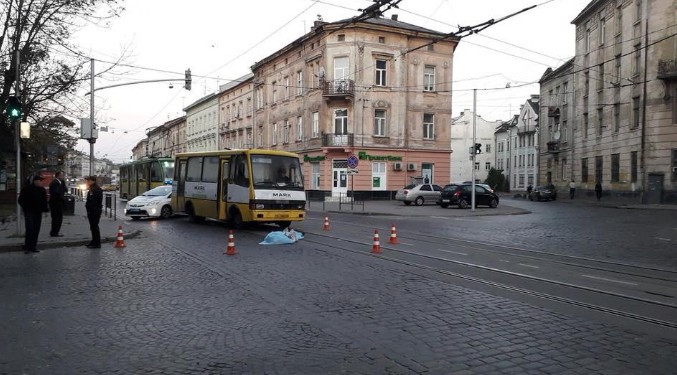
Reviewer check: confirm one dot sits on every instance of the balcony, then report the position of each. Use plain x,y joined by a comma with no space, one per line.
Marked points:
553,147
338,140
667,69
340,88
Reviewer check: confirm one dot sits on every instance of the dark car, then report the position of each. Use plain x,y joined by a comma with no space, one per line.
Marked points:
461,195
543,193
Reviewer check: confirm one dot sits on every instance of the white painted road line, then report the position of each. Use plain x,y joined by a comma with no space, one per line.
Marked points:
504,261
610,280
452,252
527,265
663,239
406,244
443,217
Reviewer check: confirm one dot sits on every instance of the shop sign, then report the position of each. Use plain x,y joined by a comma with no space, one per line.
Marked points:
364,156
311,159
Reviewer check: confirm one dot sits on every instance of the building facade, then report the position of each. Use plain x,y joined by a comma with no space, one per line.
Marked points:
625,88
236,113
461,142
172,136
140,150
556,144
502,149
202,120
356,89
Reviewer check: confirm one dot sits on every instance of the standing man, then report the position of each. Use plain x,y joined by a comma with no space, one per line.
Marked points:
57,189
93,206
598,190
33,201
572,189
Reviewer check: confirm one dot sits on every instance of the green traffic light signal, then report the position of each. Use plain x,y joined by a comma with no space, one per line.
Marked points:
13,108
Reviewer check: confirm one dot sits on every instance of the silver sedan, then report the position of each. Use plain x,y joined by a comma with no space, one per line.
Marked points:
419,194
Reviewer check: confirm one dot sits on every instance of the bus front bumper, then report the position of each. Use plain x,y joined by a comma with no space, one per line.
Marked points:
278,215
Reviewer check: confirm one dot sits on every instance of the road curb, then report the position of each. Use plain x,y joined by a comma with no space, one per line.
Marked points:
16,247
522,212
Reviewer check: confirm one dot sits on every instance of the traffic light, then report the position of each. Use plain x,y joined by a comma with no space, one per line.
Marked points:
13,108
189,80
478,148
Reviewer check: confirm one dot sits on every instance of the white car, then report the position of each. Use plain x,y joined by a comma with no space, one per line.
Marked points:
153,203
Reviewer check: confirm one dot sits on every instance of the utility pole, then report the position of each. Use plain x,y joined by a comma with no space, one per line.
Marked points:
254,130
474,142
91,119
17,125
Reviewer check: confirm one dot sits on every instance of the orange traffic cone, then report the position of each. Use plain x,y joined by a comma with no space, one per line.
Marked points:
326,223
393,235
230,250
376,247
120,241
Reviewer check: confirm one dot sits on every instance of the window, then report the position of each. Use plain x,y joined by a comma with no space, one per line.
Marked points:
617,117
341,37
287,130
428,126
619,21
586,90
156,174
615,167
431,47
477,166
315,183
286,87
565,88
380,123
239,171
584,170
564,170
194,170
249,106
585,125
588,40
600,85
488,148
299,128
602,31
274,135
600,118
557,95
210,169
378,175
638,59
638,10
341,121
380,73
635,112
299,83
429,78
633,166
382,39
274,92
259,98
618,71
341,68
530,179
487,166
316,124
599,168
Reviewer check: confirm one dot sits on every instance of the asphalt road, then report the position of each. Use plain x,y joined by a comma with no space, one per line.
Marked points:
567,289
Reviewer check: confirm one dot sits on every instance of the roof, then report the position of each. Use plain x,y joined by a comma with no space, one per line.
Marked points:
552,74
392,23
234,83
593,5
534,105
200,101
505,125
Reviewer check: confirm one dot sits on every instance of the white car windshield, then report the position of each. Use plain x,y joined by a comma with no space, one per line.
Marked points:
159,191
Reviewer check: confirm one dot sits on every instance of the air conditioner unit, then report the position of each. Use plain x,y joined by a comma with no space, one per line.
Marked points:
411,166
397,166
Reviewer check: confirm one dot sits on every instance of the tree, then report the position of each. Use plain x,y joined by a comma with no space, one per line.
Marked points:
496,179
51,67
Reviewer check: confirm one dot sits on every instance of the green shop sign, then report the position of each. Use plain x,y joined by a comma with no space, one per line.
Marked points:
364,156
313,158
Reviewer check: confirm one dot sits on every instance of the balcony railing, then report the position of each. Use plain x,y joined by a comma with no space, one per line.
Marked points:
553,147
337,140
667,69
338,88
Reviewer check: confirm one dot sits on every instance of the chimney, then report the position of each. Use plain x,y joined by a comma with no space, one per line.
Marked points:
394,17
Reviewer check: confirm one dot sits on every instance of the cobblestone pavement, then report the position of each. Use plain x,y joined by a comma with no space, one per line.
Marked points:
173,303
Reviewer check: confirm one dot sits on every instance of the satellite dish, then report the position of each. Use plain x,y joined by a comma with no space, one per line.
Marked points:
557,135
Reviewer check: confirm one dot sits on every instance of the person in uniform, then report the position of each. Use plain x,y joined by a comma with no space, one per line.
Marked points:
33,201
57,190
94,208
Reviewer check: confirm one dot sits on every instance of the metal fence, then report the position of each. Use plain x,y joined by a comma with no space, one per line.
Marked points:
335,201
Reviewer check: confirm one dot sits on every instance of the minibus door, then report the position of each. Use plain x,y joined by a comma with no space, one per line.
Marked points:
223,193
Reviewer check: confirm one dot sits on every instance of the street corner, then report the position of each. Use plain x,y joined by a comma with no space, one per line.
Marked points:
13,244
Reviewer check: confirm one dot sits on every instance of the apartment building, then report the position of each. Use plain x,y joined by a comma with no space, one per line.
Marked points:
625,132
236,113
202,124
140,150
556,146
461,142
359,89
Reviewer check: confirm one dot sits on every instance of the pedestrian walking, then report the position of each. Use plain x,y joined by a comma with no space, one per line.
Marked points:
598,190
529,190
57,190
33,201
572,189
94,208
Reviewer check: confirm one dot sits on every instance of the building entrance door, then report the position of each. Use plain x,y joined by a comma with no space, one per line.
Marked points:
655,191
339,178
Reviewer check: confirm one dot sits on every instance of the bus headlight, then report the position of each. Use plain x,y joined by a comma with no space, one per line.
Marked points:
260,206
300,206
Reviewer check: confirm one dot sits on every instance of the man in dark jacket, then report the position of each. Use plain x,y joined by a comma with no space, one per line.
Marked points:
94,208
57,189
33,201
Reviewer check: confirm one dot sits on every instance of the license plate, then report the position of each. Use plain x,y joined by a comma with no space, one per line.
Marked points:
133,211
281,216
445,200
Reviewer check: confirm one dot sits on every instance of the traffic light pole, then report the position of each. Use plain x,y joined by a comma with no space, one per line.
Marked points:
17,126
474,143
91,118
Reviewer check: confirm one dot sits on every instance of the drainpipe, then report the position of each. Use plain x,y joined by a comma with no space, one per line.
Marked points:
646,58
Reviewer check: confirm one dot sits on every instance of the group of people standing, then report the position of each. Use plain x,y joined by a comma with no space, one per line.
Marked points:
34,202
598,190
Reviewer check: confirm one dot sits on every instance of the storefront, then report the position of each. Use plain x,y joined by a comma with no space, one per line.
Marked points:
379,171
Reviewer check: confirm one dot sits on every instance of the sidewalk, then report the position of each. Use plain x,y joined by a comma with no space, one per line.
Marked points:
75,230
397,208
605,202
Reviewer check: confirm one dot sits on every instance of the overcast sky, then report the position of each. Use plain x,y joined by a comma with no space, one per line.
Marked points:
209,36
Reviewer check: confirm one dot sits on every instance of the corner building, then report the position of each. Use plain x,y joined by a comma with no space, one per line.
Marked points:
355,89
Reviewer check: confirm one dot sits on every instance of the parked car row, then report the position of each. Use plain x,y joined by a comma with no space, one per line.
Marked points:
453,194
